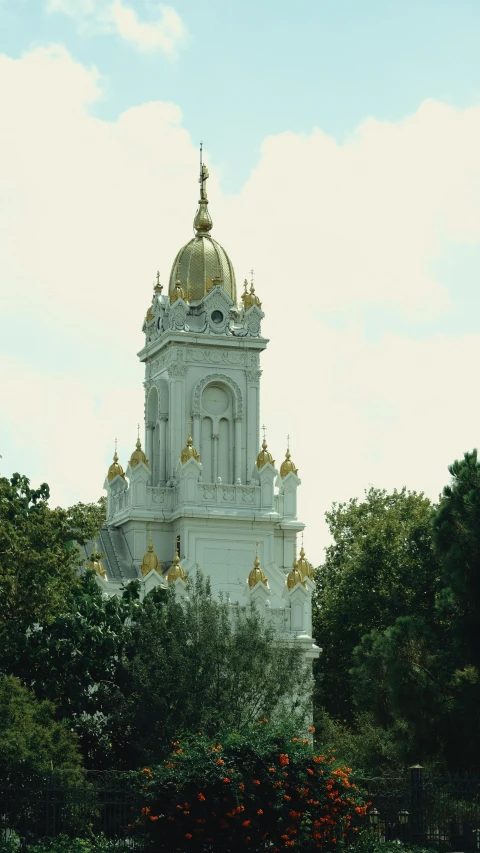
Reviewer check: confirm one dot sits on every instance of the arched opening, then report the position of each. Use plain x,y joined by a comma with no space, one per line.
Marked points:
217,439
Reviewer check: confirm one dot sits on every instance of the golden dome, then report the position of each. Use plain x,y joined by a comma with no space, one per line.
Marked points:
294,576
138,456
150,561
189,452
115,469
176,571
256,575
287,465
95,565
264,456
202,262
304,567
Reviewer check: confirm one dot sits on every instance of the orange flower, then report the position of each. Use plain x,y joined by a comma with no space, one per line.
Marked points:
286,797
201,797
256,782
245,823
271,769
227,779
311,729
154,817
295,739
260,811
309,770
284,758
241,786
188,835
220,761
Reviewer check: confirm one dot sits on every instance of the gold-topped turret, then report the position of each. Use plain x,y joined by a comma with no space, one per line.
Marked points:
158,287
176,570
178,292
250,298
115,469
189,452
138,454
264,456
304,567
95,565
294,576
287,465
257,574
150,560
203,221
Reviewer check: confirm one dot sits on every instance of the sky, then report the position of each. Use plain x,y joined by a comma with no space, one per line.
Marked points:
343,144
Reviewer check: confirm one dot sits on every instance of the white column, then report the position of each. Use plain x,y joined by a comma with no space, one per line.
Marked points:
196,432
238,449
162,429
149,427
215,456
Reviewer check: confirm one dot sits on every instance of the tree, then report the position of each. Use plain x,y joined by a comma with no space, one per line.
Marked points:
31,740
38,558
196,665
381,566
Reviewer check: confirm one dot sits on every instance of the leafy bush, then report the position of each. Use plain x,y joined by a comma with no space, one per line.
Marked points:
60,844
266,786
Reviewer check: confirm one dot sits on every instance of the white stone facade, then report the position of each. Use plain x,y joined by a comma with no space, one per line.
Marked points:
202,373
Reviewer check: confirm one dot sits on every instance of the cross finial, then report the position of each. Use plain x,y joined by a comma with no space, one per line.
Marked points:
158,287
138,431
115,444
264,428
203,176
257,543
252,273
288,442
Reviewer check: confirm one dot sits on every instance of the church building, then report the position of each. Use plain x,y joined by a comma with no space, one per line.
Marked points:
203,493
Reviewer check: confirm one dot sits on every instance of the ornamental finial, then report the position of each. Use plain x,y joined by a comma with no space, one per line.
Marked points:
203,221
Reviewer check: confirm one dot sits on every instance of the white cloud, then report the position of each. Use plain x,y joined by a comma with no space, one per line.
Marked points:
104,16
89,209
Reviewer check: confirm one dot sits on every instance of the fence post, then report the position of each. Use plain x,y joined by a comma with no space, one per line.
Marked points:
417,804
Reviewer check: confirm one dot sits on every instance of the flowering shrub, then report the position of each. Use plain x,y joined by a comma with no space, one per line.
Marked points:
267,788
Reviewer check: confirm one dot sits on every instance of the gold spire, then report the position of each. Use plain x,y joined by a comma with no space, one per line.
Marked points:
256,575
250,298
176,570
138,454
95,565
203,221
295,575
158,287
150,560
304,567
264,456
178,292
189,451
287,465
115,469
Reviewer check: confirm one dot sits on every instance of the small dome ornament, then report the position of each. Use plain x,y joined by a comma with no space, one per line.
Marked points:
294,576
115,469
287,466
257,574
264,456
150,560
189,451
176,570
95,565
178,292
138,454
304,567
158,287
250,298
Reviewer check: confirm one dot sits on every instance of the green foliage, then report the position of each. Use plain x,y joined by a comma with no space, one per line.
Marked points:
38,562
31,740
59,844
263,786
381,566
197,666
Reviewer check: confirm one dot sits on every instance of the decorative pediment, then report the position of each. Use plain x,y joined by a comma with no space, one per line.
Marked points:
252,321
217,306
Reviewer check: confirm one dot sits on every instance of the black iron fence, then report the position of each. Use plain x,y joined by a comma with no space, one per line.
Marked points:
425,809
416,808
106,804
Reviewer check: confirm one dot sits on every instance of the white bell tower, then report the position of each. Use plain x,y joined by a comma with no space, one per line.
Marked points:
204,495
